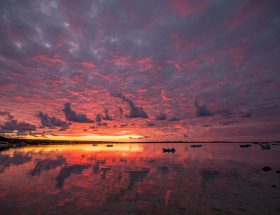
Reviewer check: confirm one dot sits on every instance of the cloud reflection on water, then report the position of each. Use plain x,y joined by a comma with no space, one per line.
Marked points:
139,178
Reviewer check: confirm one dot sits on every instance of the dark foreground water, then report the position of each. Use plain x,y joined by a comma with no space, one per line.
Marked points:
139,179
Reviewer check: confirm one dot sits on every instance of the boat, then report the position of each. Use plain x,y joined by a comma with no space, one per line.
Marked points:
196,145
265,146
168,150
245,145
109,145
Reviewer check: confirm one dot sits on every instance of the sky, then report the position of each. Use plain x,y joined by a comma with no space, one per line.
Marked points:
140,70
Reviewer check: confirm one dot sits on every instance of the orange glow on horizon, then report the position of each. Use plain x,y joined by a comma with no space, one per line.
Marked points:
108,138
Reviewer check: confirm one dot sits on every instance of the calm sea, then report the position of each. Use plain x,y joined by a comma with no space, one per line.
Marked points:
140,179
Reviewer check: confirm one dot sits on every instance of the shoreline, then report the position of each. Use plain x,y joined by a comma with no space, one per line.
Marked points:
7,143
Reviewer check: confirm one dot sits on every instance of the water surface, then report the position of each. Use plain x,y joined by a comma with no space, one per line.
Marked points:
139,179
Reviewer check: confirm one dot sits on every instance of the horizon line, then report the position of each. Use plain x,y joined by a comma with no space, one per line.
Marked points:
177,141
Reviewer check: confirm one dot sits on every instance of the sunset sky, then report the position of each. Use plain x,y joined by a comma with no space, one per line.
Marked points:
140,70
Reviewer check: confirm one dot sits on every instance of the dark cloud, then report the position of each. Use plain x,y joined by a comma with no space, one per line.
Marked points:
10,124
120,112
7,115
51,122
228,122
150,124
161,116
72,116
174,118
106,115
98,118
102,124
202,110
134,111
246,115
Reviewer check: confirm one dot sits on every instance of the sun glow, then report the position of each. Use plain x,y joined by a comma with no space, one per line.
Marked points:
132,137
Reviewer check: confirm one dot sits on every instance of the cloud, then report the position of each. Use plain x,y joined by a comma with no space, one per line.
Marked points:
106,115
120,112
162,54
51,122
134,111
6,114
19,126
102,124
98,117
10,124
72,116
150,124
174,118
161,116
201,109
246,115
229,122
122,125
